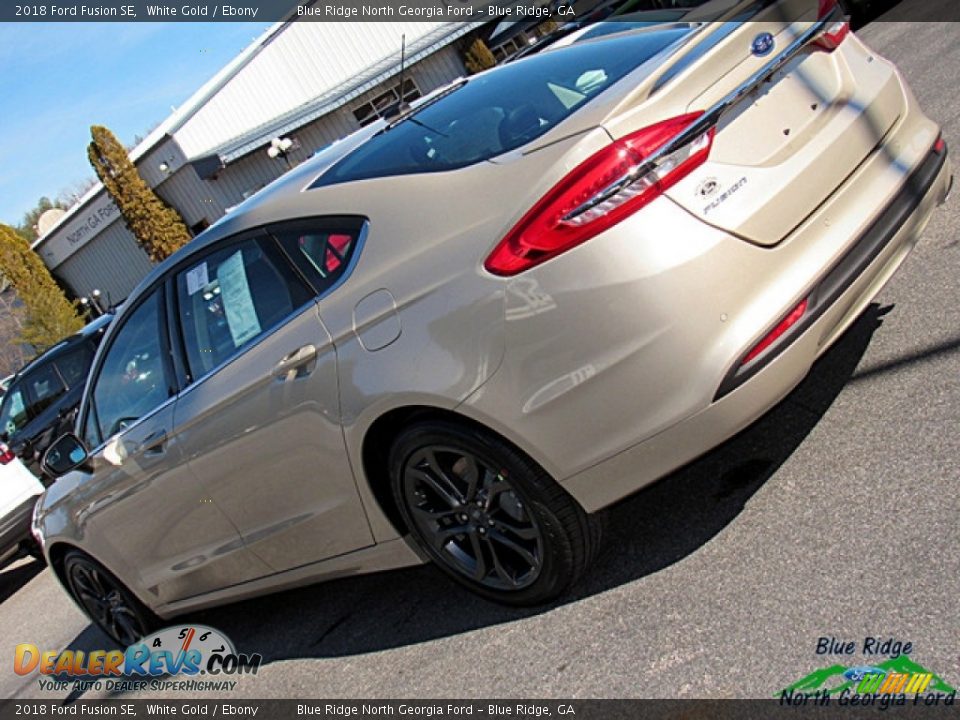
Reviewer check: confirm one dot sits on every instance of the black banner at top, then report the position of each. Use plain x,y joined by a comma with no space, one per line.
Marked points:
392,10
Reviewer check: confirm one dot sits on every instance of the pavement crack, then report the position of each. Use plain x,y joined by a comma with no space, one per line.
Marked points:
331,629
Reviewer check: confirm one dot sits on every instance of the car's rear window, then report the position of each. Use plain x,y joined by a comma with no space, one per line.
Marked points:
623,24
499,111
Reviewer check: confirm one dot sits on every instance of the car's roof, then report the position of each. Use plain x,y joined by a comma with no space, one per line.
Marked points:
87,331
94,326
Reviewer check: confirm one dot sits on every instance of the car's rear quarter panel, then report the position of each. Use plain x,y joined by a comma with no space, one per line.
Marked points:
632,332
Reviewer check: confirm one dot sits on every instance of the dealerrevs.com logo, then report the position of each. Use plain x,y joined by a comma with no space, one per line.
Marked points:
182,650
897,680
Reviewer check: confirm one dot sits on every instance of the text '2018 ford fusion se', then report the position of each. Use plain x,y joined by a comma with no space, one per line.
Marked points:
459,332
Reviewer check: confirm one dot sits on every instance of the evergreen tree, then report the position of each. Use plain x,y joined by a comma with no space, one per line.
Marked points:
27,227
50,317
158,228
478,57
13,353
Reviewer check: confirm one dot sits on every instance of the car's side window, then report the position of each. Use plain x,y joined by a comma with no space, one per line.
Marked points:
133,379
321,250
43,387
75,364
14,413
231,296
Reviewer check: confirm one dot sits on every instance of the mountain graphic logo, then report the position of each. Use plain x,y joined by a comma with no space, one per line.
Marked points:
896,675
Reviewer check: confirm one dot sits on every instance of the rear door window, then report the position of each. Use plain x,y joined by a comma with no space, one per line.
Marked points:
44,386
13,415
324,249
233,295
75,364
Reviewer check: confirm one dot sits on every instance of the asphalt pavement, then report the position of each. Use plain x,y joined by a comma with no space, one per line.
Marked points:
833,516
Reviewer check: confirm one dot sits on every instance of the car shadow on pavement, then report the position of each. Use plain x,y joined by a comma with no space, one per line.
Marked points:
15,575
653,529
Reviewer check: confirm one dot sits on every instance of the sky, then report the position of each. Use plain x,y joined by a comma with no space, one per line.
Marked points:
58,79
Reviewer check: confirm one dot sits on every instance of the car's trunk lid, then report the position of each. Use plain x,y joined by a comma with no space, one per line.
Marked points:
785,147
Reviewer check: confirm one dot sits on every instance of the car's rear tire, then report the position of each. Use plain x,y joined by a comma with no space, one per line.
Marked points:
106,600
487,515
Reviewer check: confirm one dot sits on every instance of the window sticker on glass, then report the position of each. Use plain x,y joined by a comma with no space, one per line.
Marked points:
237,301
197,279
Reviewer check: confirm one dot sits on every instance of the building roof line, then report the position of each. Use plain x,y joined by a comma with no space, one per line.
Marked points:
178,118
337,96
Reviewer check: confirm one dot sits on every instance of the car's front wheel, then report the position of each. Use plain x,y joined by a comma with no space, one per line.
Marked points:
106,601
488,515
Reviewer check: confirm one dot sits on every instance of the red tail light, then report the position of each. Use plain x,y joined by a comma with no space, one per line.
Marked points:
836,32
826,7
834,35
607,187
6,454
779,330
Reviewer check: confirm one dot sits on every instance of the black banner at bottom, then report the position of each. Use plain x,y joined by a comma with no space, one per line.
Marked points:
890,706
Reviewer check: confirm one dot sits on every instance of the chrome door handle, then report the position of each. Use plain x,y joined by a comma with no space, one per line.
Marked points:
154,444
292,365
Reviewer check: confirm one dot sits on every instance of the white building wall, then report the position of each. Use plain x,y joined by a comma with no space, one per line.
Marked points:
255,170
196,200
303,61
112,262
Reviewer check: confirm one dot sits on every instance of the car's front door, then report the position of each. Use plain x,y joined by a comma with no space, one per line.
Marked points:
143,507
259,421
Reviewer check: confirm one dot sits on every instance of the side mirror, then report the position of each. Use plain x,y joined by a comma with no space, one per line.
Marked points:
66,454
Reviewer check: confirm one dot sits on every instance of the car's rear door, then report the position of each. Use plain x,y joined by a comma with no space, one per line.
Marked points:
259,419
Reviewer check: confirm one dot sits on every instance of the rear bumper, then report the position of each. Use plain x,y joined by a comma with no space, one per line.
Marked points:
850,267
841,296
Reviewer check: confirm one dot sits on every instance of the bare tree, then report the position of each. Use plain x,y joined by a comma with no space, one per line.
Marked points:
13,354
70,196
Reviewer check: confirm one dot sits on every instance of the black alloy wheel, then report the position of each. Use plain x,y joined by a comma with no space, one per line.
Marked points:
470,511
487,515
106,601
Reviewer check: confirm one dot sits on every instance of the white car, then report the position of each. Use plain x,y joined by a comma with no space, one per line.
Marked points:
19,490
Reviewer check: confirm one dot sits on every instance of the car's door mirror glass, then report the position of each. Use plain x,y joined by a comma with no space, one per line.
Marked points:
64,455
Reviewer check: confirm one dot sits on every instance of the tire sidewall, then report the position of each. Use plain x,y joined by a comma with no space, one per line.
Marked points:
148,621
553,573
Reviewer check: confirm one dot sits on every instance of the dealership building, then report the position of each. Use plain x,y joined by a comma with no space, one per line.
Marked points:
310,83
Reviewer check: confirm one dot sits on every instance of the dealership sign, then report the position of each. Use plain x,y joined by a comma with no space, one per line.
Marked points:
79,229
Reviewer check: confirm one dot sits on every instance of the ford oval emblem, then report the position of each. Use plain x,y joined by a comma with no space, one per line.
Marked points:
762,44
